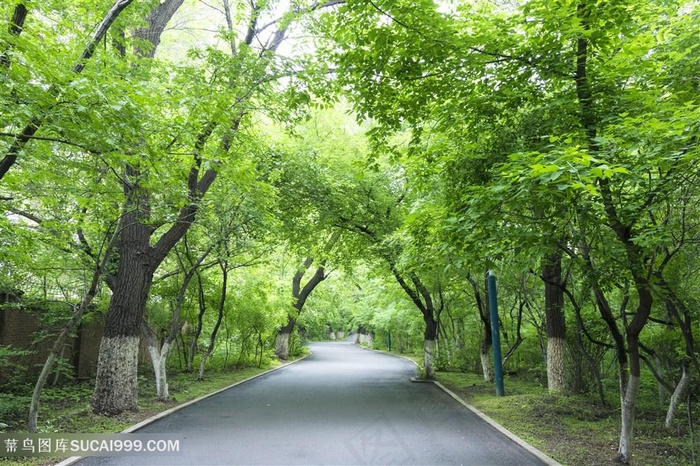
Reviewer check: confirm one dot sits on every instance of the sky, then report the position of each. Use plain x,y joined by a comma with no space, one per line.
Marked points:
197,22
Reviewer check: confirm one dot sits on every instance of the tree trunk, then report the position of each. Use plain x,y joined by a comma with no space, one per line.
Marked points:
676,397
116,390
635,327
159,358
556,363
282,339
430,336
200,323
485,348
429,358
660,386
486,342
627,431
202,365
636,259
157,21
116,386
162,392
486,360
220,317
556,328
300,296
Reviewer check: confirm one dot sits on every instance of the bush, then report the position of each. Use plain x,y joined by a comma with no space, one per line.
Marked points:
13,410
15,373
68,394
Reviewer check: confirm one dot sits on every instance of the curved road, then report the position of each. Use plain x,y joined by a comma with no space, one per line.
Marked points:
342,405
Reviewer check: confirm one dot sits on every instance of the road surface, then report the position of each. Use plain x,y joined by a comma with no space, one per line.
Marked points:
343,405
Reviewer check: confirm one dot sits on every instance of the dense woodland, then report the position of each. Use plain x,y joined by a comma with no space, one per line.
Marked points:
224,180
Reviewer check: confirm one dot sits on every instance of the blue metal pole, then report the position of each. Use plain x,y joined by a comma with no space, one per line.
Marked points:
389,340
495,335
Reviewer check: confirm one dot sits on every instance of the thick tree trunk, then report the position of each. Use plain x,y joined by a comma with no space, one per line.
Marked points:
116,384
116,390
430,336
157,21
486,361
282,339
429,358
556,328
282,345
556,364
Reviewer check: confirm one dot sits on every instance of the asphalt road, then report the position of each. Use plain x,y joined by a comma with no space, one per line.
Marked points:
342,405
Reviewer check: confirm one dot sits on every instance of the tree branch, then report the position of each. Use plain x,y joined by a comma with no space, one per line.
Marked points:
15,29
36,122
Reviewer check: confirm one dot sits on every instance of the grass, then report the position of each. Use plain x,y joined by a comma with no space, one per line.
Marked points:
574,430
67,409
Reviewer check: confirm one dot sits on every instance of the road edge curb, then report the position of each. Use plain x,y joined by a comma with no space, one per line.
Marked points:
162,414
514,438
510,435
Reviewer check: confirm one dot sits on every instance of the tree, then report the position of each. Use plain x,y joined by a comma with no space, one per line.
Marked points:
143,247
300,295
138,259
159,351
555,321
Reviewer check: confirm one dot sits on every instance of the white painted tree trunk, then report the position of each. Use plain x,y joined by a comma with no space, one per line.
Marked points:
485,357
627,431
282,346
428,359
202,364
118,363
556,365
676,398
365,339
159,359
